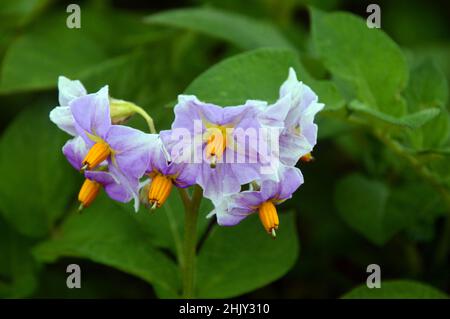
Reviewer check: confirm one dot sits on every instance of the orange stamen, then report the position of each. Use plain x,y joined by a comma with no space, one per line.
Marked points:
215,144
307,158
159,190
88,192
97,154
269,217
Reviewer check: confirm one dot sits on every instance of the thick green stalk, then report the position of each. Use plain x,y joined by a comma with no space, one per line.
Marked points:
191,206
190,243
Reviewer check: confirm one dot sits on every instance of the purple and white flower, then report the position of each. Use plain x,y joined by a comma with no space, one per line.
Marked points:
114,156
62,115
164,174
224,143
300,133
219,148
119,187
123,147
234,208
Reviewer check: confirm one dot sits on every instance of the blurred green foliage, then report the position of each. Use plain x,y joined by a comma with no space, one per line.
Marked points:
378,191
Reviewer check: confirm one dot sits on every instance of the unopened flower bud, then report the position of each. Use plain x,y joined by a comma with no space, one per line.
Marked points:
120,110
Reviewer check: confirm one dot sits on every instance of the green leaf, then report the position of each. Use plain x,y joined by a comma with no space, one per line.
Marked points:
428,89
117,31
243,31
69,52
260,73
414,120
125,76
365,58
37,182
236,260
107,234
58,49
150,85
18,269
19,12
327,93
378,212
396,289
361,204
326,90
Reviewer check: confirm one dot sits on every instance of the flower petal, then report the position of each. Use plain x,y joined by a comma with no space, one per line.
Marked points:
102,177
249,200
62,117
157,158
91,114
75,150
229,216
300,134
69,90
292,147
307,125
274,115
245,172
290,179
132,149
291,84
118,186
218,182
232,217
190,108
269,189
186,174
186,112
113,188
181,146
233,115
129,183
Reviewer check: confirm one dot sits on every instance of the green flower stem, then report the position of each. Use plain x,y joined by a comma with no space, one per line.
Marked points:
148,119
413,258
443,246
191,206
171,218
184,197
190,240
420,169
